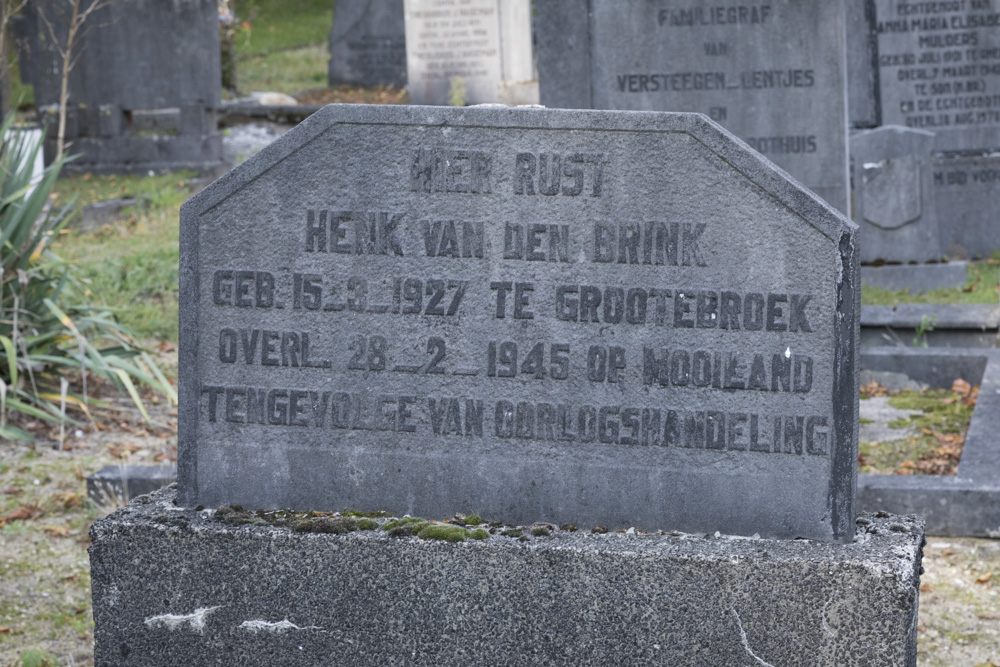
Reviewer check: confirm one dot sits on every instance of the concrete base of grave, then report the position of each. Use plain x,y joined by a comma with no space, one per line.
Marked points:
915,277
175,586
967,503
938,325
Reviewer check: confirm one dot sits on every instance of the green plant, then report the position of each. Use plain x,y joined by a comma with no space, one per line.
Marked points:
49,333
456,91
927,323
36,658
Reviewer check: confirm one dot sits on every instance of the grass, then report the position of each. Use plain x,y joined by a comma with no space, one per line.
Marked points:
277,25
982,286
130,265
290,71
162,189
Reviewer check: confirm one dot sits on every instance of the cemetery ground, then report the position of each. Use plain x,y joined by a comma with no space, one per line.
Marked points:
45,516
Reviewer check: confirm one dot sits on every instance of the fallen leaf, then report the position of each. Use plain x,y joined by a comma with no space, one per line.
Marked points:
56,531
13,491
990,617
926,431
124,450
961,386
25,512
983,579
4,630
69,499
926,588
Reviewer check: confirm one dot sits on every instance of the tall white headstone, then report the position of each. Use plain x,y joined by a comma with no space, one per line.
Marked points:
462,52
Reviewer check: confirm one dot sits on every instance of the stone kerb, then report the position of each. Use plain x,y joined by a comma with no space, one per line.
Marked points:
179,586
276,341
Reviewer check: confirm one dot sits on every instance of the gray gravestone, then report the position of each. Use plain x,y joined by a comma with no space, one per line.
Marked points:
936,67
145,88
472,52
967,197
773,74
368,43
893,195
939,70
862,64
572,316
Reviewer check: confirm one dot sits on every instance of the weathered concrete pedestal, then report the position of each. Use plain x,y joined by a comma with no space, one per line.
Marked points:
176,586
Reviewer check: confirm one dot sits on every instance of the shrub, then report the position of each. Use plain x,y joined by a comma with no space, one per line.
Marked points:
50,334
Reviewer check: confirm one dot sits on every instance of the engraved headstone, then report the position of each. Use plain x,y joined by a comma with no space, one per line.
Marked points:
893,194
936,67
368,43
939,70
569,316
773,73
462,52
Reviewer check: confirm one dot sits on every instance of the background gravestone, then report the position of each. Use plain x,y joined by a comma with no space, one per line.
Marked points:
368,43
145,89
893,186
936,68
589,317
476,52
773,74
862,64
939,70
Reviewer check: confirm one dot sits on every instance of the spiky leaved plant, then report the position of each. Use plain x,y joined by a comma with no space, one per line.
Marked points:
50,336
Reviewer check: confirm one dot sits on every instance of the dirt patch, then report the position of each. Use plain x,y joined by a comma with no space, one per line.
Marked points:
347,94
45,519
960,603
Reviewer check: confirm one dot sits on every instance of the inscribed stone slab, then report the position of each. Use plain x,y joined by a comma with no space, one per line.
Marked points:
469,52
613,318
368,43
773,74
939,70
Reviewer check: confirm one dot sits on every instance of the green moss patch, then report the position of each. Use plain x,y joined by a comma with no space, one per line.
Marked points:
443,531
941,418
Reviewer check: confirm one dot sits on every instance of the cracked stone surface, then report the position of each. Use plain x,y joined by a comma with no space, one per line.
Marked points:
175,586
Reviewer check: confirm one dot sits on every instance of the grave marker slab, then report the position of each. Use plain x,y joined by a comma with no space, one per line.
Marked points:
939,70
145,88
614,318
773,74
893,194
368,43
470,52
